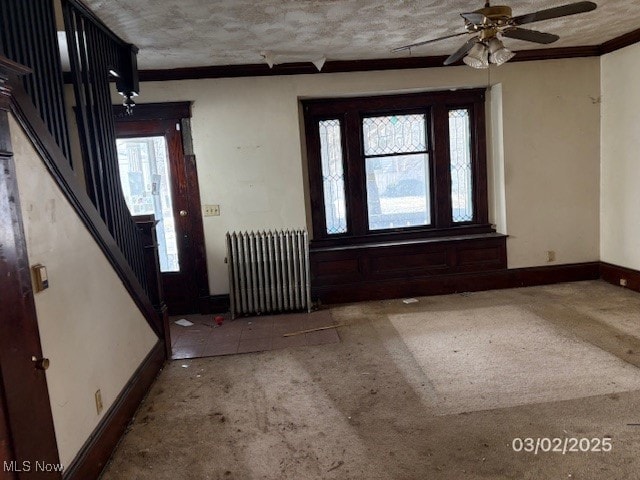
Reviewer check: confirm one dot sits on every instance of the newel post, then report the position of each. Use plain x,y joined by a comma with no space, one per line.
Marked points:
147,226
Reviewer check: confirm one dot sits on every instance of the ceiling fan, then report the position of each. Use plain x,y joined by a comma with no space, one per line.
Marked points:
489,24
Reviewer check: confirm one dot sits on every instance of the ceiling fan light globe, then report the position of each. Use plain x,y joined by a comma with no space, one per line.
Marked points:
498,53
475,63
478,56
501,56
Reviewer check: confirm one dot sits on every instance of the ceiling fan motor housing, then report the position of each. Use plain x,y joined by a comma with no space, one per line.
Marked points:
499,14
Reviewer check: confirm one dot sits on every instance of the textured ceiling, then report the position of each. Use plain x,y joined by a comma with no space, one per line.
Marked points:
224,32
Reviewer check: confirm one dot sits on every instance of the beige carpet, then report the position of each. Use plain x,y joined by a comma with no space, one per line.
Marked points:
504,356
370,407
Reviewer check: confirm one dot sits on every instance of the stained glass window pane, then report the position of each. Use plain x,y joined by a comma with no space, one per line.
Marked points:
461,178
335,206
394,134
145,182
398,191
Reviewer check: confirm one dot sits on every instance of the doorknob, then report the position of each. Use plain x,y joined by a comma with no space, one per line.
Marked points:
183,213
41,363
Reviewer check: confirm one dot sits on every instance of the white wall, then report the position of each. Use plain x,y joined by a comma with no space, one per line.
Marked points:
90,328
495,154
620,152
248,143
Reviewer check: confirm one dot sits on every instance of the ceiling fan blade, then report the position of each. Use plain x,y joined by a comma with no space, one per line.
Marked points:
563,11
473,17
530,35
462,51
418,44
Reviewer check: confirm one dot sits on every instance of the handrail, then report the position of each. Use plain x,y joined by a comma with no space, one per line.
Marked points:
55,161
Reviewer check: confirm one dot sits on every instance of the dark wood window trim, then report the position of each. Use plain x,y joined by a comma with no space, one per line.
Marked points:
351,111
154,111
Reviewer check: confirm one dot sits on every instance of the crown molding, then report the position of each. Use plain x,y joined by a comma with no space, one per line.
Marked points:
343,66
620,42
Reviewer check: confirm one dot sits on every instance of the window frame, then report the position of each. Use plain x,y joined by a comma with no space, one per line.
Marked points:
429,152
435,105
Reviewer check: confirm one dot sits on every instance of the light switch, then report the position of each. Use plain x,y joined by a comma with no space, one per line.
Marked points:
40,278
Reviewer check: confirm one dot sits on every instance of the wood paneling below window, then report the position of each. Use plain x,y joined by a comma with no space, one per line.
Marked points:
393,270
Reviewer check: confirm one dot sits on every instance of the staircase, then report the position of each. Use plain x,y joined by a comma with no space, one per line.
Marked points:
41,104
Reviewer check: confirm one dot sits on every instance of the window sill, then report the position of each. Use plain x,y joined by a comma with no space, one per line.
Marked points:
317,247
399,238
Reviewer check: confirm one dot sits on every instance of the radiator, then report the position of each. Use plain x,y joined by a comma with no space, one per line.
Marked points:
268,272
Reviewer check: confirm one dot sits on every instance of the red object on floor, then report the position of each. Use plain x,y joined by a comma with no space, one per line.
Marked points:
219,319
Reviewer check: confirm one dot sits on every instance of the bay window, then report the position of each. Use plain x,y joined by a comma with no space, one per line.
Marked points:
397,167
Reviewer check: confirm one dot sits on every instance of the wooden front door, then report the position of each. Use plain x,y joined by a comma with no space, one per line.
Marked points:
158,177
25,418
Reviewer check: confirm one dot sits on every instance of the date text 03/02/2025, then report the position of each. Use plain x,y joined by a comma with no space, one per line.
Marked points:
561,445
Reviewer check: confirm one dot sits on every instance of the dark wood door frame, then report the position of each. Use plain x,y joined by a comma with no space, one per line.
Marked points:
174,118
23,387
6,444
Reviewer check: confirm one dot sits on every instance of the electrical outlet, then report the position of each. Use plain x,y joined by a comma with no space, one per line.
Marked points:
551,256
99,405
211,210
623,282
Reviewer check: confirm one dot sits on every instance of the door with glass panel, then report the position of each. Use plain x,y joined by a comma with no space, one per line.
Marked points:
157,179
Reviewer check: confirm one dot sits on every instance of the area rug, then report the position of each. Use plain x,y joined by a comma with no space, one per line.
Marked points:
504,356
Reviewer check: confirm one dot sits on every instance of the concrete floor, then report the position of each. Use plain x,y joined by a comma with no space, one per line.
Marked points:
371,406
